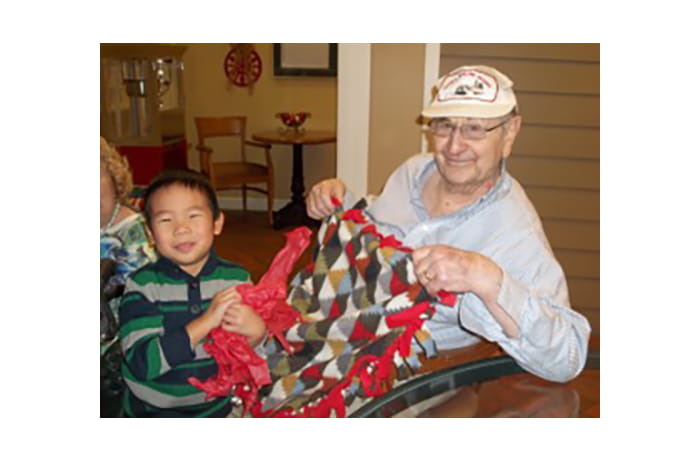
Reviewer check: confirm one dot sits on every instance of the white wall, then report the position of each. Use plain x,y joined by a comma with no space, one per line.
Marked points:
353,115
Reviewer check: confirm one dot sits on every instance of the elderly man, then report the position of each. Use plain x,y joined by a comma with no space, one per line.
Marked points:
476,232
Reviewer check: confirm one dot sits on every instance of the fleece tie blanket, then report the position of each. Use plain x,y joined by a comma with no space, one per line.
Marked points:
350,327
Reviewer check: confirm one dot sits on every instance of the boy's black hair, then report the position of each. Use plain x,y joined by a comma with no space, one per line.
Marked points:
185,177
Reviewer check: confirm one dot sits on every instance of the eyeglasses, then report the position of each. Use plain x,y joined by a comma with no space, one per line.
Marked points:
442,127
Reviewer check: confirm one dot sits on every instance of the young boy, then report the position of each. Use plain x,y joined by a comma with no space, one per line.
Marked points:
169,306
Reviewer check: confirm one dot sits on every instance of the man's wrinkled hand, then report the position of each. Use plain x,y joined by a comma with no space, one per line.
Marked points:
453,270
318,200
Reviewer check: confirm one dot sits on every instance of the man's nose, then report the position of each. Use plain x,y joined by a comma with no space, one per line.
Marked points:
456,143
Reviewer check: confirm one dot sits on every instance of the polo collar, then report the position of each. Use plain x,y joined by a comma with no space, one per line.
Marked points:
499,189
174,270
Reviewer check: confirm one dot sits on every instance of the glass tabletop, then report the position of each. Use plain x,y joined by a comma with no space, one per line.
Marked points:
494,387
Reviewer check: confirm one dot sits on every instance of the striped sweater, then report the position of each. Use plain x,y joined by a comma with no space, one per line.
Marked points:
159,300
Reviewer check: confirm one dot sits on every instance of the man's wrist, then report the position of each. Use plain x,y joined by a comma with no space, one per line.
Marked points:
497,281
493,280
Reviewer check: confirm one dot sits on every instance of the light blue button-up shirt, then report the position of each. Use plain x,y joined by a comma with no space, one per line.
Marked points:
504,226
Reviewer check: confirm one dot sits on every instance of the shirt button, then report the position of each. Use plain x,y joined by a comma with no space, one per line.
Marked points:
193,285
195,309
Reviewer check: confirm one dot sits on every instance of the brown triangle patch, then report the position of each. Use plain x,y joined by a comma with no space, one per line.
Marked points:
335,277
320,266
387,252
337,346
288,382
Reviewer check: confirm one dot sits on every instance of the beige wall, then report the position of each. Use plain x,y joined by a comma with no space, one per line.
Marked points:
557,155
396,100
208,93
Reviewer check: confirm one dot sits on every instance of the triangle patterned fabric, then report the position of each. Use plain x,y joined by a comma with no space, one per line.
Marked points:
361,310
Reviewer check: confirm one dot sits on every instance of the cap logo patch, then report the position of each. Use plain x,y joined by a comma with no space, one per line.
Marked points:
468,85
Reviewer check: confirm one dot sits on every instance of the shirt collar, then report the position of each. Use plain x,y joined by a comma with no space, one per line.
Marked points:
499,190
174,270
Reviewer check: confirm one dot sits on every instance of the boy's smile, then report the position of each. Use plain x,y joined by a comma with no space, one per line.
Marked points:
183,226
184,247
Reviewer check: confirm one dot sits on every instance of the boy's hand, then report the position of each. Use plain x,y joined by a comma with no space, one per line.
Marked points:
242,319
221,301
199,327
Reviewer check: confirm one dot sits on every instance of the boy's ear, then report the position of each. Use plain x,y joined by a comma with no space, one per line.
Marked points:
219,224
149,233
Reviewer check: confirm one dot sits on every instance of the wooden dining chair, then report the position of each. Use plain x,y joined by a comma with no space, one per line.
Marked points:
234,173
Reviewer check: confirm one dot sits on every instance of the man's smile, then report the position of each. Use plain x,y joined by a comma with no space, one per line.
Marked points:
457,161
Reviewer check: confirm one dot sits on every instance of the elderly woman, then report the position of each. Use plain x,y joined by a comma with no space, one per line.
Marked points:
124,247
124,242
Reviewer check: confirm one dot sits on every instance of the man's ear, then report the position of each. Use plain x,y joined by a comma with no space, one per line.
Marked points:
512,130
219,224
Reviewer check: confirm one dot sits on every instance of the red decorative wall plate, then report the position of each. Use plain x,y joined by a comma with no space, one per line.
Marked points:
242,71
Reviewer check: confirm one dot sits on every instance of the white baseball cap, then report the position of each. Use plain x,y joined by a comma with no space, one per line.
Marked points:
474,91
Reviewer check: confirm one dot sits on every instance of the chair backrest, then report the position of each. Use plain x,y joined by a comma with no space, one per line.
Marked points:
208,127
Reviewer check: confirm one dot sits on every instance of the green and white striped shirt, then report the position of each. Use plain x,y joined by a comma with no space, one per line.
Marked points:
160,299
